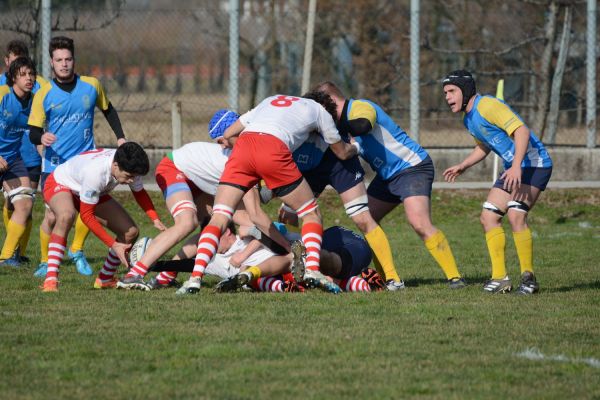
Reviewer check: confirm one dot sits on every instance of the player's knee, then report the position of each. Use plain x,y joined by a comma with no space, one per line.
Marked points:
186,224
131,234
65,218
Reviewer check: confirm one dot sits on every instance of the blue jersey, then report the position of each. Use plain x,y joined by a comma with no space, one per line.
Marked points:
351,247
309,155
28,151
492,122
69,116
13,123
387,148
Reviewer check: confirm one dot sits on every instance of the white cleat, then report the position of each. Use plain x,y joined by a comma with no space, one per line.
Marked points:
191,286
394,286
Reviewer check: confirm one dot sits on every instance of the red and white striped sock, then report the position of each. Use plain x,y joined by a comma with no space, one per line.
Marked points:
207,247
355,284
312,236
165,277
56,253
109,268
137,269
268,284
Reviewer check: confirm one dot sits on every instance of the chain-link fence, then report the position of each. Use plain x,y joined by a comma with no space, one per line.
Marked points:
150,55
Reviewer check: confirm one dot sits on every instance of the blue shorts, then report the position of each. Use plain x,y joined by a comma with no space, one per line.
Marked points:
536,177
340,174
413,181
16,169
354,251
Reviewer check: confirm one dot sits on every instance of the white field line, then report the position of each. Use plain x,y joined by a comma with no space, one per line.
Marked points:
536,355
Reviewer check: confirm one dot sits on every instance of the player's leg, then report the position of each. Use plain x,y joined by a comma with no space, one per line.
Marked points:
112,215
44,232
491,216
180,203
226,200
356,203
534,181
34,179
63,207
21,196
418,214
76,253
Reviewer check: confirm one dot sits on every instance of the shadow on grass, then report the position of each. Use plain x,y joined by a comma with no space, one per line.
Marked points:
471,280
590,285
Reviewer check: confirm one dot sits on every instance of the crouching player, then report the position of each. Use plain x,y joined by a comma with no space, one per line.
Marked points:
82,184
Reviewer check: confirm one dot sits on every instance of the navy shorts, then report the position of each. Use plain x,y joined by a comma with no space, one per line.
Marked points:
44,176
413,181
536,177
34,173
352,248
16,169
340,174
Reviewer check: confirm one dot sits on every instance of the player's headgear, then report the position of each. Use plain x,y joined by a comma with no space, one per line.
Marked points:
222,120
465,82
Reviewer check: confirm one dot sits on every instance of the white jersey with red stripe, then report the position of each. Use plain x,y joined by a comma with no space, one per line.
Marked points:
219,265
89,175
202,163
290,119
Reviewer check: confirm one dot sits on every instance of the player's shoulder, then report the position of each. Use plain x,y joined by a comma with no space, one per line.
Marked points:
361,108
489,104
41,80
4,90
90,80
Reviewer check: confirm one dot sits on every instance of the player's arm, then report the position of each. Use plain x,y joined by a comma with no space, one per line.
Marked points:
479,153
37,118
343,150
512,176
112,117
238,258
326,126
361,118
231,134
145,203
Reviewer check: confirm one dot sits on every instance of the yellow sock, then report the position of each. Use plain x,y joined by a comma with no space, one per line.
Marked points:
438,246
6,214
524,245
13,234
254,271
44,242
378,242
24,241
496,241
81,233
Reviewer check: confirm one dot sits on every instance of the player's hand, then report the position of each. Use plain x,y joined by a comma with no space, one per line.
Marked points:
3,165
236,259
120,250
159,225
121,141
48,138
225,143
453,172
512,178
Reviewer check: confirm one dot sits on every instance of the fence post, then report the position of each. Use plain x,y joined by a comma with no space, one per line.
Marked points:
46,31
308,45
414,69
590,119
234,54
176,123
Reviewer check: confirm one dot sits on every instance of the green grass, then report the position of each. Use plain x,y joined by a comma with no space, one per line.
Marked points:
426,342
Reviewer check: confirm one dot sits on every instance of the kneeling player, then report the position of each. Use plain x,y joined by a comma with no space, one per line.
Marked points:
82,184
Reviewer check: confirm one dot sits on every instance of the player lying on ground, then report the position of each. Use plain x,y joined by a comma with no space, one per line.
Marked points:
188,178
527,170
268,135
15,103
82,184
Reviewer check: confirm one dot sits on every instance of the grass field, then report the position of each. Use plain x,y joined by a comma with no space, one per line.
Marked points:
426,342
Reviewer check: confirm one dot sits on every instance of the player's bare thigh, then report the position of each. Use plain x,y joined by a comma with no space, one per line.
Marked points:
112,215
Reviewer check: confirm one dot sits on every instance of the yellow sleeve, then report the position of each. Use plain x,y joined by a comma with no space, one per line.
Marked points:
37,117
4,90
362,109
101,100
40,79
499,114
